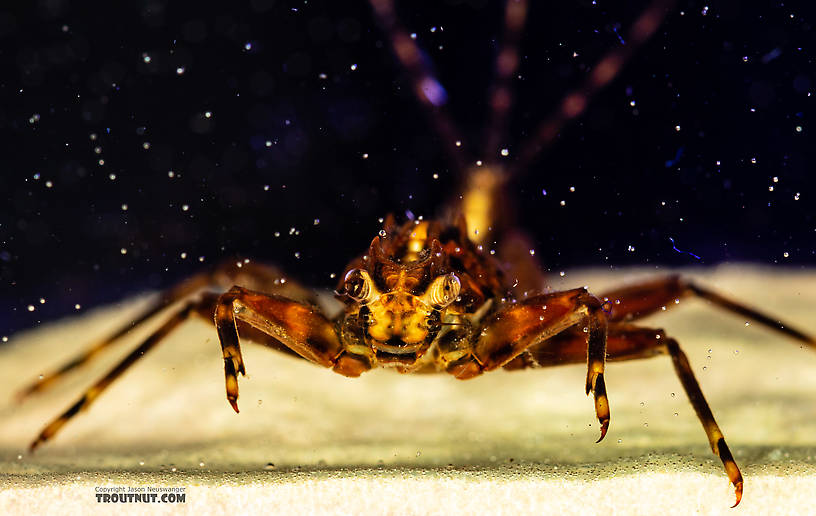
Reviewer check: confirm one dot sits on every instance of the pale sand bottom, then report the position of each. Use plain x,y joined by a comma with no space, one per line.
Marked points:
518,442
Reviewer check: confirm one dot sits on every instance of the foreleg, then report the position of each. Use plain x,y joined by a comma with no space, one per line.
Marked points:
298,326
509,332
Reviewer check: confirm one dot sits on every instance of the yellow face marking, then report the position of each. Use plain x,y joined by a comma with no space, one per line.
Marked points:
401,316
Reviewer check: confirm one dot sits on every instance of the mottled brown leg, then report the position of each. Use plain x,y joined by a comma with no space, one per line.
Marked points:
511,331
627,342
298,326
205,305
224,275
642,299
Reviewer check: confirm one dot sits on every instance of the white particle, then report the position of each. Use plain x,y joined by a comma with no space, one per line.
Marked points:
505,152
112,177
744,59
124,207
353,67
677,128
632,103
201,258
42,299
775,179
572,188
563,203
478,163
562,274
247,46
180,70
323,76
49,184
532,252
101,162
208,114
631,248
266,188
796,196
171,174
30,308
316,222
798,128
365,155
146,145
123,250
183,256
753,160
436,176
77,306
185,207
146,58
268,143
785,254
458,143
5,339
297,255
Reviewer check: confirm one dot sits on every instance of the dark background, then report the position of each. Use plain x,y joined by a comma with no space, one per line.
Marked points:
76,87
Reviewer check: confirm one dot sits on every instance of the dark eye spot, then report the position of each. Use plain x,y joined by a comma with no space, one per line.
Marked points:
356,285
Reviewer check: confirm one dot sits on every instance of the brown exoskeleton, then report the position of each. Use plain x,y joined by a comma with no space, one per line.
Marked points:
430,296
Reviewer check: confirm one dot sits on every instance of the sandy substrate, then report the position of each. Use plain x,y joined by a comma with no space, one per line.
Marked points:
309,441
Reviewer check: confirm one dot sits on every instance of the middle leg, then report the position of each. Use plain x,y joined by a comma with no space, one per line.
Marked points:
629,342
642,299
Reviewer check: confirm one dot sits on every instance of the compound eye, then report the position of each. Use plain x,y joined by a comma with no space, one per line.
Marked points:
444,290
357,285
